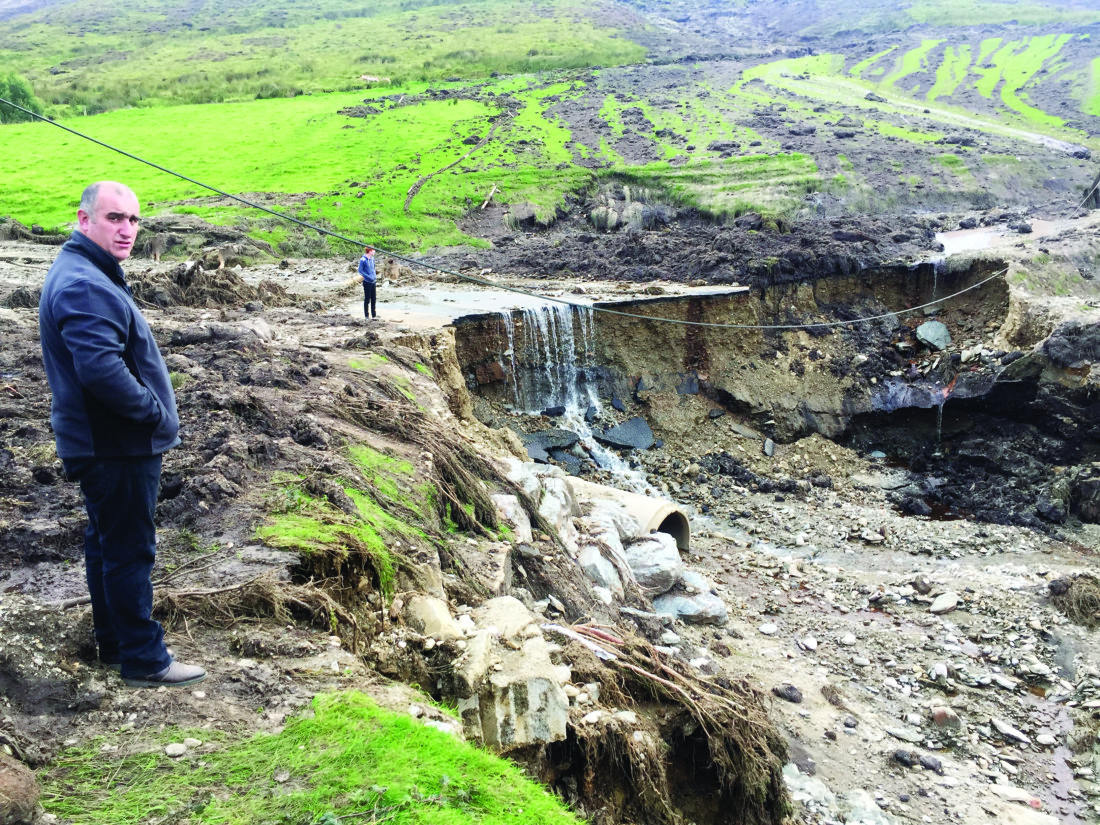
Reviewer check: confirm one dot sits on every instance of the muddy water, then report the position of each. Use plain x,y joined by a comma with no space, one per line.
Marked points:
987,237
966,240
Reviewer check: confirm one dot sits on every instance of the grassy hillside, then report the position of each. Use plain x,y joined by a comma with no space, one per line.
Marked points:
85,57
397,160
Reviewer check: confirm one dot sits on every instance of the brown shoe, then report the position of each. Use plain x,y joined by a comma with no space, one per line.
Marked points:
176,674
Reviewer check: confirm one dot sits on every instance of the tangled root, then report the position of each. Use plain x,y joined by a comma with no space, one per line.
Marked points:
1078,598
457,469
701,750
264,596
191,285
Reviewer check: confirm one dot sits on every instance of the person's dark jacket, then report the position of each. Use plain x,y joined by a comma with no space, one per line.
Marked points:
112,396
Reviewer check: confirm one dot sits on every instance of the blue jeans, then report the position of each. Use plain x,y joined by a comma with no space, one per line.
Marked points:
120,547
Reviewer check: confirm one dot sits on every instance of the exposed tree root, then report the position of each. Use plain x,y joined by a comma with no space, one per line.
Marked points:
721,730
1078,598
266,596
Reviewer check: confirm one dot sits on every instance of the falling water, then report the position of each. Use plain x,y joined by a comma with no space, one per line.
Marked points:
507,355
939,264
552,354
553,364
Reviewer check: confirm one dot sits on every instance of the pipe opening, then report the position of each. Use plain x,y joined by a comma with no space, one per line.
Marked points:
676,525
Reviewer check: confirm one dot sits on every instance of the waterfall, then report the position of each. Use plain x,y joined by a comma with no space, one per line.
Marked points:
552,352
553,359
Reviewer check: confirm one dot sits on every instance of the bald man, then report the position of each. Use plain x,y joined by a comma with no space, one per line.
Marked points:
113,416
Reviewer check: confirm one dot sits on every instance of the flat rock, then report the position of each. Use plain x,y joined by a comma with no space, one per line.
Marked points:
1008,732
909,735
541,443
634,434
945,602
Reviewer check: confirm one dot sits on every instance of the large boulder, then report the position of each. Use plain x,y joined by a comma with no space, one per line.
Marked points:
601,571
934,334
509,692
611,518
693,602
511,512
430,616
655,562
558,506
18,792
540,444
1073,344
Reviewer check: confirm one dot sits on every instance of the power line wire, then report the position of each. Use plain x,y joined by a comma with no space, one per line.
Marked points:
483,281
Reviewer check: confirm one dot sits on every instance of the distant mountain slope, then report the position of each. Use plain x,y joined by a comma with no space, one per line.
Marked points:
86,57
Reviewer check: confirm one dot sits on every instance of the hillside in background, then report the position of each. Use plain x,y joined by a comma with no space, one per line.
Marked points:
395,121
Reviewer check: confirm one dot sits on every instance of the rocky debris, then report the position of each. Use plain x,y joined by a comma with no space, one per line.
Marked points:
41,669
832,564
19,792
509,691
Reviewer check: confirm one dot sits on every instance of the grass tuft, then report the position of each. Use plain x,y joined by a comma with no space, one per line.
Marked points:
348,758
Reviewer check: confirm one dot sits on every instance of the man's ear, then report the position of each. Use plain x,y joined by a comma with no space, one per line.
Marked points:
82,218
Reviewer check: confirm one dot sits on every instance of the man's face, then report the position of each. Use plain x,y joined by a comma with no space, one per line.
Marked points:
114,225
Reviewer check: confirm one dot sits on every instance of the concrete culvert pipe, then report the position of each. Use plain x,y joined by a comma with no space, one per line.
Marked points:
652,514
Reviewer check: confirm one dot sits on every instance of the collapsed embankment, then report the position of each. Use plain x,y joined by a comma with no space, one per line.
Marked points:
333,520
975,388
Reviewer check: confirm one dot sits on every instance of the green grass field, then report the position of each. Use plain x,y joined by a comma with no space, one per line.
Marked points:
951,72
277,72
302,150
912,62
267,49
1092,100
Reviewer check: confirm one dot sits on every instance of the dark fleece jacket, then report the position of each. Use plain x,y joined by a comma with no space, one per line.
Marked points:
111,393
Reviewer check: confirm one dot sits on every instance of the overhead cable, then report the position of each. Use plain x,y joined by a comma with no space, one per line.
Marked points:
483,281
